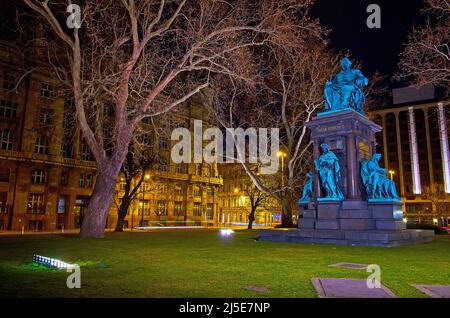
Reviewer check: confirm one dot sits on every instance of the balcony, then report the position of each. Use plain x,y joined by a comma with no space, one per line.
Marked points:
48,159
36,208
203,179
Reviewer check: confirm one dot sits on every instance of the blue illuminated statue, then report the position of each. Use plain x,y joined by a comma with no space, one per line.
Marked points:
374,179
308,192
330,173
345,90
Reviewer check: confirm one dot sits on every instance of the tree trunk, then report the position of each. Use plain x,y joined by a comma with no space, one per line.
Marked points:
286,216
123,211
94,221
251,218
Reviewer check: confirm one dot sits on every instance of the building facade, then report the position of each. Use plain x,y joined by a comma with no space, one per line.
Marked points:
46,170
174,194
47,173
234,205
415,149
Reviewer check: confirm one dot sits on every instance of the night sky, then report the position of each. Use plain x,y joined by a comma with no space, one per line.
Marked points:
377,49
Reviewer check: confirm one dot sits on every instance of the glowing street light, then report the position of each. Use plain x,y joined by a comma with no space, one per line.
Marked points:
391,173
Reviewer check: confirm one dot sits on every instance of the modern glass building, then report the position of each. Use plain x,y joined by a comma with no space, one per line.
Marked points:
415,148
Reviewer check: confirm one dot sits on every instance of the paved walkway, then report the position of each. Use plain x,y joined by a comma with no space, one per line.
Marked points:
348,288
435,291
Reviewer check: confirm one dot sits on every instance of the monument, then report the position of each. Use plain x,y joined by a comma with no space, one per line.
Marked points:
349,200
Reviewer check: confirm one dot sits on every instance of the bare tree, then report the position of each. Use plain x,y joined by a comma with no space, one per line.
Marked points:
136,59
256,199
437,196
133,169
426,57
293,74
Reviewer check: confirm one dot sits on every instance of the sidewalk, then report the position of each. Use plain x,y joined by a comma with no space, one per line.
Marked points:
135,230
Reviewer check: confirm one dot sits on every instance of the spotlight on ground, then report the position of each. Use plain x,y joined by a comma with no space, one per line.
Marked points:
51,262
226,232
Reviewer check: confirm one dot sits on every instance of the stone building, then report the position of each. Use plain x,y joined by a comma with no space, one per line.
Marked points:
175,194
47,172
415,149
234,206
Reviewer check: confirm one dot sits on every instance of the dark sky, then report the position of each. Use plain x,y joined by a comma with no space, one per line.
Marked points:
377,49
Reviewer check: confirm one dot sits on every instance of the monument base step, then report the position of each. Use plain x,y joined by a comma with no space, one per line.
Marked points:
388,238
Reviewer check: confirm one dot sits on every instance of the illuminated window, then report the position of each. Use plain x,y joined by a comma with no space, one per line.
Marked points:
178,208
209,211
197,209
161,208
35,203
197,191
61,205
178,191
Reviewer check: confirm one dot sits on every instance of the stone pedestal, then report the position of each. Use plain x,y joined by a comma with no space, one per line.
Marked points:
355,220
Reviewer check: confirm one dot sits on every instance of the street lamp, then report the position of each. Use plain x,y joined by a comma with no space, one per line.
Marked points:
391,173
282,155
141,204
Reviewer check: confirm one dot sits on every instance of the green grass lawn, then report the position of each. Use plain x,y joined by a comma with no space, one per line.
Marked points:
199,263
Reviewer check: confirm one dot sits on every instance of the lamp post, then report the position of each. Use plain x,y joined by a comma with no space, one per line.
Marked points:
141,204
391,173
282,155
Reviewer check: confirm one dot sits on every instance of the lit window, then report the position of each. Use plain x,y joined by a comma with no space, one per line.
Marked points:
178,208
209,211
161,208
178,191
35,203
197,209
61,205
197,192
